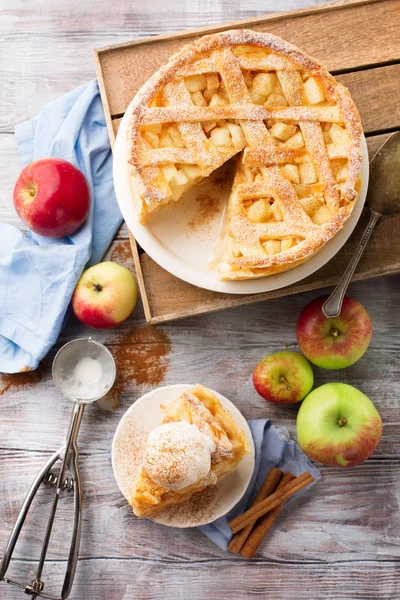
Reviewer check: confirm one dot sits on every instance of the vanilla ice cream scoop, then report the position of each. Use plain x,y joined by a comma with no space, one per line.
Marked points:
178,455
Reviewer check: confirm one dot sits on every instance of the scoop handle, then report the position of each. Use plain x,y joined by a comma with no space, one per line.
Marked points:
24,511
70,457
333,305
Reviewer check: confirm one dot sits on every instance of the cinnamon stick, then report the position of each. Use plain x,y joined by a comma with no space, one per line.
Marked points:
263,525
270,484
277,498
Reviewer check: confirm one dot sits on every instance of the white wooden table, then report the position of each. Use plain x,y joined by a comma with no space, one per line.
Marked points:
341,540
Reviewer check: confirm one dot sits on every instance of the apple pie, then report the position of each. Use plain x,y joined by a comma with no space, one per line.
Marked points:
295,132
197,444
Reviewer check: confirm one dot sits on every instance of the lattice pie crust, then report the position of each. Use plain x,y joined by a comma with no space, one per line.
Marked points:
295,130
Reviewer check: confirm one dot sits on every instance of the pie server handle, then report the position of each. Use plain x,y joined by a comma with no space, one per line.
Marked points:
333,305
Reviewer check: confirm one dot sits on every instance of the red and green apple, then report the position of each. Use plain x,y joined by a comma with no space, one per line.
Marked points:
283,377
334,343
105,295
337,425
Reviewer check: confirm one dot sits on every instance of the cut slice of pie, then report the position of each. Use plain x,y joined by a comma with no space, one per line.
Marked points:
295,130
197,444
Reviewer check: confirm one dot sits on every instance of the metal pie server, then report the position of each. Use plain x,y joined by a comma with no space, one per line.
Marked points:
63,364
383,199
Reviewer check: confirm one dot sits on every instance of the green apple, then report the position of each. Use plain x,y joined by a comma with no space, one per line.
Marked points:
338,425
283,377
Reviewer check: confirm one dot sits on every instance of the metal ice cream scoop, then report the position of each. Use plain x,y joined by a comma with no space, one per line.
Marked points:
383,199
84,371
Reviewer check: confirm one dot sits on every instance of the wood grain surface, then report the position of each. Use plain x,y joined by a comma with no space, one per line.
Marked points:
341,538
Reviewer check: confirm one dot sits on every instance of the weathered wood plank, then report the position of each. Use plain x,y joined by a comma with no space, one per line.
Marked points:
367,89
157,580
336,520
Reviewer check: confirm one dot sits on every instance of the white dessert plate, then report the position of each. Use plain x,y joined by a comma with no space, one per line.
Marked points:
182,240
127,453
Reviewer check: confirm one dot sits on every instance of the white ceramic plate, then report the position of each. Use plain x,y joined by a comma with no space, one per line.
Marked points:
127,452
182,240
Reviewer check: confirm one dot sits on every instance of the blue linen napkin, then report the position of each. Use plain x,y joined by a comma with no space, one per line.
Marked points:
37,274
274,448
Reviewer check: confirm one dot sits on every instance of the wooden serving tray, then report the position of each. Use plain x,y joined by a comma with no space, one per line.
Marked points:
359,42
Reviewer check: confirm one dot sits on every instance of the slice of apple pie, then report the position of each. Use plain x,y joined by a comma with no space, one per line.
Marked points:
197,444
295,129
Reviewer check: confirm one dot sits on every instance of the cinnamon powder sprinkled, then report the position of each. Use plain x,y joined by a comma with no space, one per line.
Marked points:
141,356
122,253
128,453
202,506
212,196
25,377
209,208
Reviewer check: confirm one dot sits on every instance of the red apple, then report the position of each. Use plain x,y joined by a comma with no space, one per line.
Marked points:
105,295
334,343
283,377
337,425
52,197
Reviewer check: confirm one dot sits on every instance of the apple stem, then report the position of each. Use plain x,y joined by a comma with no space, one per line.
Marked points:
97,287
283,379
342,421
334,332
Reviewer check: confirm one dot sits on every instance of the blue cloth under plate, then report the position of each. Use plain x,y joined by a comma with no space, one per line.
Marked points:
274,448
37,274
